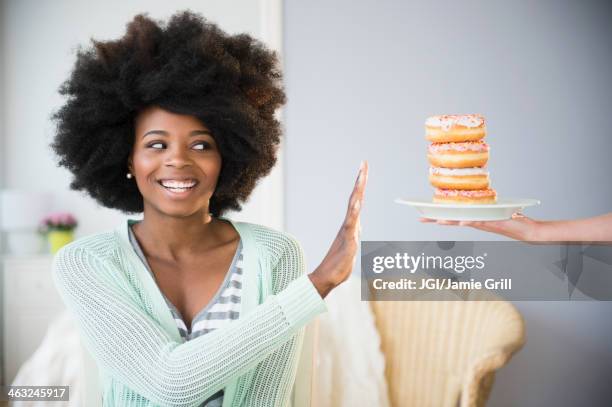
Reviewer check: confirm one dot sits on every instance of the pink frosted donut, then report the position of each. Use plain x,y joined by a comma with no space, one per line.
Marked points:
459,178
458,196
458,155
455,128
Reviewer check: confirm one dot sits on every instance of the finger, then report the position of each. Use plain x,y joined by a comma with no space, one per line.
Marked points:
496,226
366,172
355,191
358,178
362,180
351,220
357,231
358,191
448,222
427,220
351,216
349,230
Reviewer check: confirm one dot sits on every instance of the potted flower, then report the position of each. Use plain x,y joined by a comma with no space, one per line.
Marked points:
59,228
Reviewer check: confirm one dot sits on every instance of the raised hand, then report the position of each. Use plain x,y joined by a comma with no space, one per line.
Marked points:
338,263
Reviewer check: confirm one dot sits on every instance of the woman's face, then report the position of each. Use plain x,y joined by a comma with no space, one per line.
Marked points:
172,152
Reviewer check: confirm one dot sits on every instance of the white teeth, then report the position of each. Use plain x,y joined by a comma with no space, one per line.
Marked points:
178,184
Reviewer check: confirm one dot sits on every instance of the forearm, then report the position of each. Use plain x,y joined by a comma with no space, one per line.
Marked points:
266,391
161,370
595,229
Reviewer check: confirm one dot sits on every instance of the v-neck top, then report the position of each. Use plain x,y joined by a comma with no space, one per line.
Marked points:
222,308
225,304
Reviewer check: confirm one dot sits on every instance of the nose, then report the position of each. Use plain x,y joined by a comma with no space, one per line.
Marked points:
177,157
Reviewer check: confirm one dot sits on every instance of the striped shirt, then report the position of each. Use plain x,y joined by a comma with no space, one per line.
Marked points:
223,307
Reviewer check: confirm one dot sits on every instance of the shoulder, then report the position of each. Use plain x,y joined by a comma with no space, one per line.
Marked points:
100,245
82,255
90,267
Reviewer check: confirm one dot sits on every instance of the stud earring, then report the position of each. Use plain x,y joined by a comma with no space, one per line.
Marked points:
129,176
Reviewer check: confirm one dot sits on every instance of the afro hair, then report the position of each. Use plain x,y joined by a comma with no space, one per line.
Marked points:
232,83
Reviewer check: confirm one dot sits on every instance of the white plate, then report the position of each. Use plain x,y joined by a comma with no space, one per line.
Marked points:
503,209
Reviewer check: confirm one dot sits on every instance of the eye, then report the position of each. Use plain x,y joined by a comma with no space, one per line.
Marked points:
204,145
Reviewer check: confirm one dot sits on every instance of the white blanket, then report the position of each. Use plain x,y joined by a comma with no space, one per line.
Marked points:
350,366
56,362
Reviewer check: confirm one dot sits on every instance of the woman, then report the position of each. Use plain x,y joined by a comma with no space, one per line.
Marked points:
186,307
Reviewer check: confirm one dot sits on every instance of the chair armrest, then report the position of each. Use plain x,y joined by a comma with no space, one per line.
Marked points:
502,341
305,380
480,375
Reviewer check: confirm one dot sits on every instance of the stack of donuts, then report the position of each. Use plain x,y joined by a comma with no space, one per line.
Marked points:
458,156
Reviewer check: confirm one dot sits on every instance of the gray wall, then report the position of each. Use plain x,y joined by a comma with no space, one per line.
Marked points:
361,78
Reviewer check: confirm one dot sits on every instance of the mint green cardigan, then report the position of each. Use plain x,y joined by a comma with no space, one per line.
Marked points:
127,327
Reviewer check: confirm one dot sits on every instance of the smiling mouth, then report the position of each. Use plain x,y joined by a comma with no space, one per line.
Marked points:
179,190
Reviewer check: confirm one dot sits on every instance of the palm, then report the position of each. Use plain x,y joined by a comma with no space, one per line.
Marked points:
519,227
340,258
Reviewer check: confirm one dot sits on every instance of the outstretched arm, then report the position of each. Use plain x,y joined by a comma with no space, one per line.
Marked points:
333,270
520,227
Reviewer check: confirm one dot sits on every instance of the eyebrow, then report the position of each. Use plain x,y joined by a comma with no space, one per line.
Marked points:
165,133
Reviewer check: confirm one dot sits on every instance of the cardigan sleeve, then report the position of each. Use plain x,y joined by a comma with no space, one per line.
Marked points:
135,350
284,362
264,390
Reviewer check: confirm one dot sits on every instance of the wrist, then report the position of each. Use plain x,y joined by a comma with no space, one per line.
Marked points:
545,231
323,285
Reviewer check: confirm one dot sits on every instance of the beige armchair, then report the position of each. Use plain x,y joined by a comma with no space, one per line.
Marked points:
445,353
